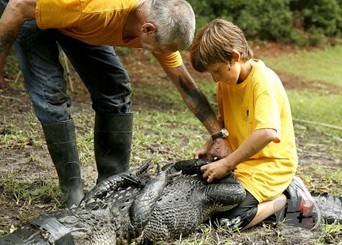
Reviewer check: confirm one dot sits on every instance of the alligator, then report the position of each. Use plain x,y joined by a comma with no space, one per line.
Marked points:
138,204
135,204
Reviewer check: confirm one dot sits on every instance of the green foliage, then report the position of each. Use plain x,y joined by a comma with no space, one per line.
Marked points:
296,21
325,15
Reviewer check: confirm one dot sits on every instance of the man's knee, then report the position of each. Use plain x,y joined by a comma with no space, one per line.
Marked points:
52,108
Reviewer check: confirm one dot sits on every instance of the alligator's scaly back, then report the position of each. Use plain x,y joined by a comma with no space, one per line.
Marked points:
188,201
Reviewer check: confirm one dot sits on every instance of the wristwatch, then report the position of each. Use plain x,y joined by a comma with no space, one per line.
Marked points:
222,134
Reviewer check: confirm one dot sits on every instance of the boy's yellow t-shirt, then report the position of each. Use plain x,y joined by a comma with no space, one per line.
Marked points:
260,102
96,22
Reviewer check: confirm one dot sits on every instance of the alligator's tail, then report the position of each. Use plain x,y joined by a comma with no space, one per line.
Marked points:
331,208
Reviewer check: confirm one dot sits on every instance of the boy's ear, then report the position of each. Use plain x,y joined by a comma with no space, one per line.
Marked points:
236,55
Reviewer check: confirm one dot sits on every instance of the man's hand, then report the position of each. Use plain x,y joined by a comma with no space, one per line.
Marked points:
219,149
12,18
203,152
213,150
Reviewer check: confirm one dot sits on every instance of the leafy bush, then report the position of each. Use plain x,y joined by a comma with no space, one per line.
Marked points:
323,15
301,22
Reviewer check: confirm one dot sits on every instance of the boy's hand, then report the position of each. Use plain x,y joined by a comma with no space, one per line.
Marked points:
215,170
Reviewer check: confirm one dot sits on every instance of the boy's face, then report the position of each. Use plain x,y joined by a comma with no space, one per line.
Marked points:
225,72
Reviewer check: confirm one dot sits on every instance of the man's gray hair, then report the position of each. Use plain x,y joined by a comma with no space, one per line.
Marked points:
175,21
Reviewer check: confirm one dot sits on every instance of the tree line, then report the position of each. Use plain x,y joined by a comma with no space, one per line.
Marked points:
303,22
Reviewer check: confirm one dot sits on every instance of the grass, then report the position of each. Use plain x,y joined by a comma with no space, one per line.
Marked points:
324,66
321,65
321,108
28,191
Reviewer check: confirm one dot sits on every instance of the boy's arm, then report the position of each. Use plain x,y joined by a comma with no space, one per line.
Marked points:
199,106
14,15
252,145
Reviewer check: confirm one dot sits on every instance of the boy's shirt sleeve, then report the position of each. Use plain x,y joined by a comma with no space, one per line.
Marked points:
267,113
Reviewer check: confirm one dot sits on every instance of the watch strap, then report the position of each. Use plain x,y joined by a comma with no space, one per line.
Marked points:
222,134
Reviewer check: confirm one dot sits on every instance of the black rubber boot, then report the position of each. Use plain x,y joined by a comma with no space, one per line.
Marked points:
112,143
61,143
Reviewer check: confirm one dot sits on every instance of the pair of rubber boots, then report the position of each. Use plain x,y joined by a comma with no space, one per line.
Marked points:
112,145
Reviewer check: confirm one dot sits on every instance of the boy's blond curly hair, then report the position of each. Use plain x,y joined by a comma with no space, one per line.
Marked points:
216,42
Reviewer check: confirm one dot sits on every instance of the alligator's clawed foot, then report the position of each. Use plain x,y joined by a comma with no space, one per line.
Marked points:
192,166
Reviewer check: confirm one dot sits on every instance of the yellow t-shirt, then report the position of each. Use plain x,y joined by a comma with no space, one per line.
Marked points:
260,102
96,22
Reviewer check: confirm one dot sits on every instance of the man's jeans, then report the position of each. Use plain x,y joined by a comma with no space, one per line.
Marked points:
98,66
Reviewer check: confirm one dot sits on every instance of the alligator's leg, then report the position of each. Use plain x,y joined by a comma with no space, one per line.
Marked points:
227,191
192,166
142,206
111,184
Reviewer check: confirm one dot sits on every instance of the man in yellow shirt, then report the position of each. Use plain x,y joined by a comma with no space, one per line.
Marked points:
79,27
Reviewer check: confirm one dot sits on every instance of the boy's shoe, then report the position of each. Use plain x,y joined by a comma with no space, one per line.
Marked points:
301,209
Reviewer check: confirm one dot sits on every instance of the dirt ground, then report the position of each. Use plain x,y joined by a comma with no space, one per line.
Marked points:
24,160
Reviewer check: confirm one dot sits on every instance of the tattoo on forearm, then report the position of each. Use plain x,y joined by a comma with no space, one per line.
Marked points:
202,106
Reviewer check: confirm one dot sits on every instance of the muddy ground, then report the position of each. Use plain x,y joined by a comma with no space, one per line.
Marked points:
25,159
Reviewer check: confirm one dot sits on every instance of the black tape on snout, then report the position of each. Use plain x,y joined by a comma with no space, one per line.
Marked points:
60,234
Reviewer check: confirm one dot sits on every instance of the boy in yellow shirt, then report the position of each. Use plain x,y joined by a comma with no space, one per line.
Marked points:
255,115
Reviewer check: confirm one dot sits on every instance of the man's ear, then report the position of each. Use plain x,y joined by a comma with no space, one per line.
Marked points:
148,28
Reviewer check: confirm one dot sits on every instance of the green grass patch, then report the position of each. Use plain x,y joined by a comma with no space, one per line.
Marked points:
26,192
317,108
322,65
166,136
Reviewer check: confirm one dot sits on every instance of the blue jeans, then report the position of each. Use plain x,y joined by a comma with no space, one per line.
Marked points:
98,66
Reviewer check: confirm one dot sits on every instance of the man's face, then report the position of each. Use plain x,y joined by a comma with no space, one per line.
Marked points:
149,42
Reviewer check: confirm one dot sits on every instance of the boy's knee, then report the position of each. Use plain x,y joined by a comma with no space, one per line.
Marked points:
240,216
241,220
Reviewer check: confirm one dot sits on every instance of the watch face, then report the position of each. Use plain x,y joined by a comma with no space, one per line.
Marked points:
225,132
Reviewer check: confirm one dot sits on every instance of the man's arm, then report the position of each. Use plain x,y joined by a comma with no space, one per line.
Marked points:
199,106
14,15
